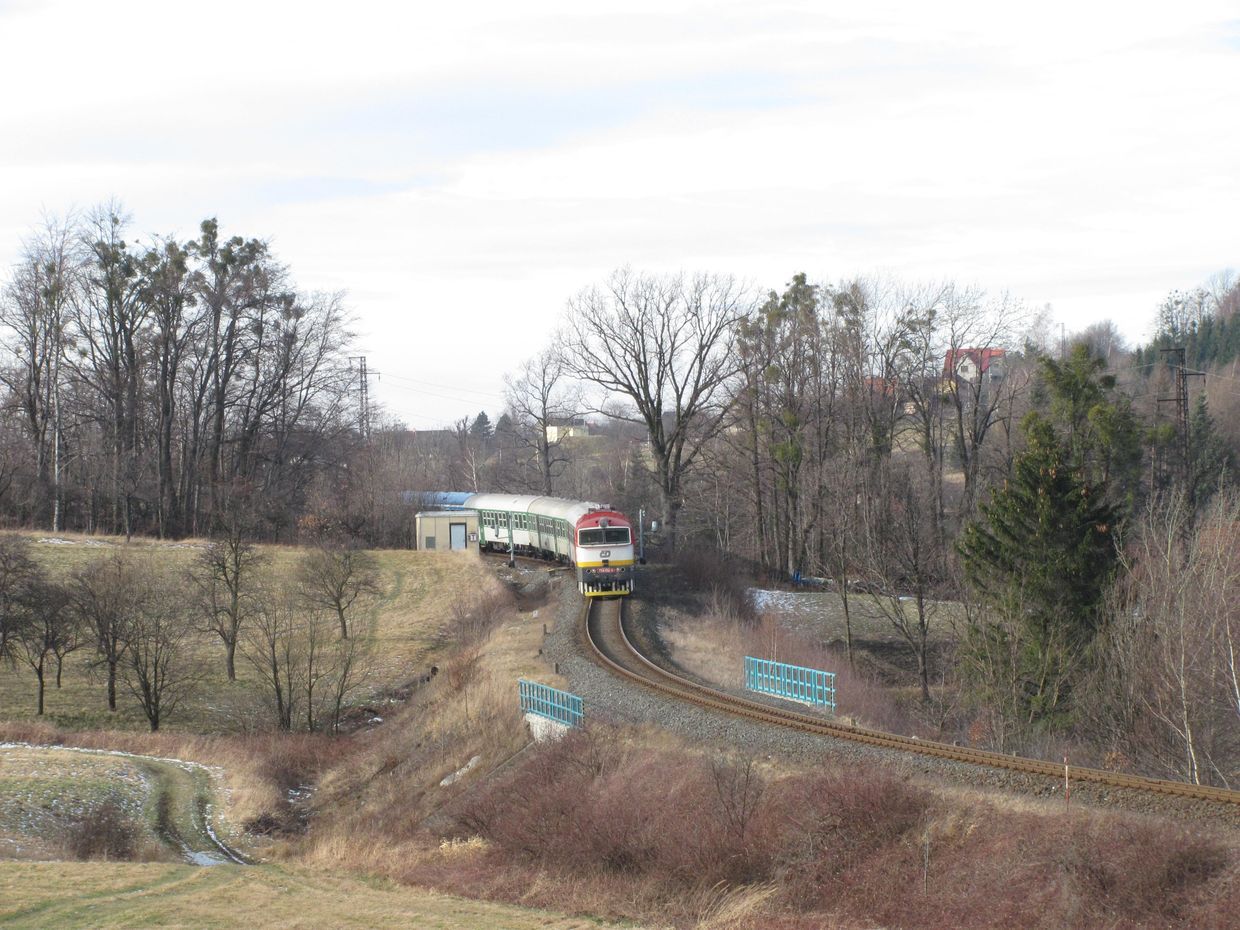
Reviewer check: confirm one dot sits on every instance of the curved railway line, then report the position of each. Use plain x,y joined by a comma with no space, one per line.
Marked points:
604,625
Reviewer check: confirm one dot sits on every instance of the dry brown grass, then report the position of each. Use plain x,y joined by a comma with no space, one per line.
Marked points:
370,808
111,895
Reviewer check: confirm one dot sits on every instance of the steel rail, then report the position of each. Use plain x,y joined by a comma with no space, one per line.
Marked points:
660,679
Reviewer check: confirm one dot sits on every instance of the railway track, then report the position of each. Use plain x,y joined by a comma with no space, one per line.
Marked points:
604,626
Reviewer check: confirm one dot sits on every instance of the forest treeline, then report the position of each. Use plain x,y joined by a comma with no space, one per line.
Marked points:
148,386
1063,501
1060,507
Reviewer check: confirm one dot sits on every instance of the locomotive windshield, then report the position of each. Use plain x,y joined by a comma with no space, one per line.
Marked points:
604,536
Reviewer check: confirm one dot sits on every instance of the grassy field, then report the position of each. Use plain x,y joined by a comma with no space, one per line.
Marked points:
407,616
442,727
99,895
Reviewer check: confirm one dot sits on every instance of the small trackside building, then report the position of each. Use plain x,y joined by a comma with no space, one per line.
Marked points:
447,530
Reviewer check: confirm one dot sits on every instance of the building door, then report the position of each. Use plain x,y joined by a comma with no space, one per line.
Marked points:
456,535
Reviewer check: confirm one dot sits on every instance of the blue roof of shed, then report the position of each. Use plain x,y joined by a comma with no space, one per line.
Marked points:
447,498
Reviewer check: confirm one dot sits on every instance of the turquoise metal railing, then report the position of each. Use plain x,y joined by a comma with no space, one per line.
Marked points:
796,682
551,703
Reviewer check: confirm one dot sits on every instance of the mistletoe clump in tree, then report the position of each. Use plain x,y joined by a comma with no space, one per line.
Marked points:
1040,558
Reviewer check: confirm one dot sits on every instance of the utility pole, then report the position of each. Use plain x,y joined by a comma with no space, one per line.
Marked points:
1177,359
641,536
363,391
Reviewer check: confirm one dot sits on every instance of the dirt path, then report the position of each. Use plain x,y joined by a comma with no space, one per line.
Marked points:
180,803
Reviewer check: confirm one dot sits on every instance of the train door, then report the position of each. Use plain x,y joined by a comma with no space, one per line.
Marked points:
456,536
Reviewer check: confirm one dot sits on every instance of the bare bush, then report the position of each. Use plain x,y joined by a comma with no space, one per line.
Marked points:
103,832
1168,689
838,821
308,672
473,618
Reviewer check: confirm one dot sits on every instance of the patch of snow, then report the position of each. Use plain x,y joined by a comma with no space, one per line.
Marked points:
764,599
543,729
204,858
461,772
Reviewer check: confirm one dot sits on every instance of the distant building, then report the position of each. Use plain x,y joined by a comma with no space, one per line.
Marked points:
575,428
972,364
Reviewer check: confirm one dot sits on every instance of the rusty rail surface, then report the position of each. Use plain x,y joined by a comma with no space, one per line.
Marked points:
603,622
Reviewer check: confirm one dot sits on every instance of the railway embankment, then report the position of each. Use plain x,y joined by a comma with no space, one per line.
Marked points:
617,700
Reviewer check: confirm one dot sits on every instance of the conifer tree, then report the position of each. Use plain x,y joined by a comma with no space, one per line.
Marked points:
1096,421
481,428
1212,460
1040,558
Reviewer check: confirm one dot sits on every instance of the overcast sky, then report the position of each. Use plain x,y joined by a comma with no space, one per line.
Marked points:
461,169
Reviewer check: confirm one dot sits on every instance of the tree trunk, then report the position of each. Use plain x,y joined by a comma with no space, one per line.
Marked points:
923,661
112,685
755,462
848,643
39,675
671,507
230,663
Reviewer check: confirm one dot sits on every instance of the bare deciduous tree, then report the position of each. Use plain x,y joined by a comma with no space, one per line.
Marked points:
905,560
107,595
224,574
17,572
540,399
34,309
271,644
347,670
49,632
663,345
158,668
307,672
333,576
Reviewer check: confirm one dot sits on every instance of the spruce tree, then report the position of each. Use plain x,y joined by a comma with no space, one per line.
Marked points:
1212,459
1040,557
481,428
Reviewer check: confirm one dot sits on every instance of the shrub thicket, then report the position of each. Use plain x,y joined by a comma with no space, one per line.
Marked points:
664,833
105,831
